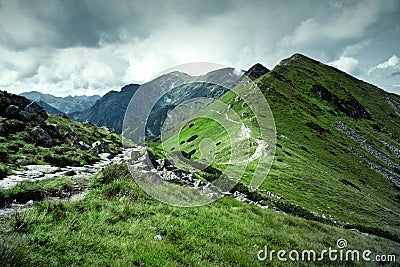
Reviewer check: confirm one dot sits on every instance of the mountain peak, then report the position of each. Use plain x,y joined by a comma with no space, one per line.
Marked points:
132,86
299,58
256,71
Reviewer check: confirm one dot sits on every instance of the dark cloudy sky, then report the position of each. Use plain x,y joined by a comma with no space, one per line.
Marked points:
89,47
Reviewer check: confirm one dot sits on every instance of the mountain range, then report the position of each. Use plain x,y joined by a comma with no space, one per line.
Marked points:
332,130
109,110
65,105
334,174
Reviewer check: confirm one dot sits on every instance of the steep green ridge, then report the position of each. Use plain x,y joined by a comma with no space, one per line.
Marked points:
316,165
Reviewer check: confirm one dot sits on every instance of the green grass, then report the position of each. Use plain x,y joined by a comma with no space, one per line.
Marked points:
37,190
314,166
116,223
18,149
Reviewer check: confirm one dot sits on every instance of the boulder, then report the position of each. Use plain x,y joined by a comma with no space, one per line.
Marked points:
83,145
105,156
42,168
17,100
41,137
26,116
54,130
34,108
13,111
73,137
99,147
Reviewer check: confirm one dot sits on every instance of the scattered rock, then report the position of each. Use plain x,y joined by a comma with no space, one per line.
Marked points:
73,137
70,173
54,130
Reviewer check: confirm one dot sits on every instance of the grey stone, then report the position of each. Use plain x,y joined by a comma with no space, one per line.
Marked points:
99,147
41,137
42,168
13,111
73,137
157,237
105,156
34,108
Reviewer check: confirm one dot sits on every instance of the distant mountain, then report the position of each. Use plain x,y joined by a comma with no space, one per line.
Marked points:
67,104
157,97
109,110
48,108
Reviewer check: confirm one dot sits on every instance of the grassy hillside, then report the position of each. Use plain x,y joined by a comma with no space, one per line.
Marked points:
28,135
316,166
118,225
322,173
18,148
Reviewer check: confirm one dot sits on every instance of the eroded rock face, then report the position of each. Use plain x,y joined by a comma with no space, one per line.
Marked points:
41,137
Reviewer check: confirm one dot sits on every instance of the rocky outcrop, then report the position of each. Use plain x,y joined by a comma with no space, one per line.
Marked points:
41,137
256,71
395,105
100,147
18,107
350,107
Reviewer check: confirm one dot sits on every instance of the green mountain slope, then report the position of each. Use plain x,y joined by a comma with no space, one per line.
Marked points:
337,143
337,156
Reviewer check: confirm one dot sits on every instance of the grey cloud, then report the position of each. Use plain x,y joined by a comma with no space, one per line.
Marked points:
396,73
97,45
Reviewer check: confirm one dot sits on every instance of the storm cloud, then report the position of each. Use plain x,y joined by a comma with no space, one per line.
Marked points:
90,47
